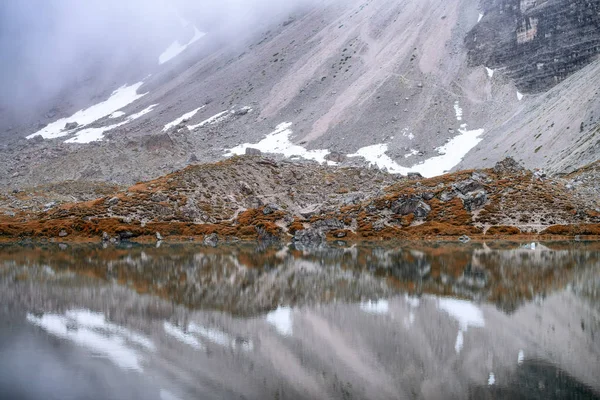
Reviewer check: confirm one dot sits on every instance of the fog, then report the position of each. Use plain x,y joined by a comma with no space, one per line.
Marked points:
50,47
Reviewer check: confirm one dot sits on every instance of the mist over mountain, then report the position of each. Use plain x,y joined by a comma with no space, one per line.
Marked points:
123,91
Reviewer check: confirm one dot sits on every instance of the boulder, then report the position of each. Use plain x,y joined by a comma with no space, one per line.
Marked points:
475,200
467,186
253,152
63,233
412,205
309,237
71,125
112,201
508,165
328,224
270,208
211,240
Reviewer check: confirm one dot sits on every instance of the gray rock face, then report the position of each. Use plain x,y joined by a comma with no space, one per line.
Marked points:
309,237
474,200
413,205
537,43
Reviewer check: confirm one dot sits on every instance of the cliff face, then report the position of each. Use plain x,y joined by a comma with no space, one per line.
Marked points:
537,43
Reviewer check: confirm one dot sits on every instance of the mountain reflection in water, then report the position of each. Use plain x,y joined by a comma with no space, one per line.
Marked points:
183,321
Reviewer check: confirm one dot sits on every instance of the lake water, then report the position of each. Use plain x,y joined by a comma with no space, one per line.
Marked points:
416,321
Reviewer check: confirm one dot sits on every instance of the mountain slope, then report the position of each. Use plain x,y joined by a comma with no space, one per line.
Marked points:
395,84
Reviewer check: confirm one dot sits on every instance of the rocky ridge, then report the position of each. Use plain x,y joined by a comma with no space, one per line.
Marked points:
251,197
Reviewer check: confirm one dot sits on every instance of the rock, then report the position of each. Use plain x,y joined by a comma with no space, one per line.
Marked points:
112,201
340,234
414,205
250,151
309,237
242,111
336,156
467,186
211,240
159,197
105,237
508,165
48,206
353,198
271,208
427,196
193,158
447,196
63,233
414,175
475,200
464,239
245,188
50,114
159,236
328,224
71,125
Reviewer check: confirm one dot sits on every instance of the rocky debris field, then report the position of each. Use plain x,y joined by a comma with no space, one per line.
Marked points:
255,198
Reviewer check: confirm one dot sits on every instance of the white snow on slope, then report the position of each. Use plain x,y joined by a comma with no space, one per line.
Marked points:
116,114
212,120
181,119
177,48
519,96
92,332
89,135
119,98
458,111
490,72
450,154
279,142
480,17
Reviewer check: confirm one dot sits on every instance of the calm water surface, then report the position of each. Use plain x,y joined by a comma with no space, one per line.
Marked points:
447,321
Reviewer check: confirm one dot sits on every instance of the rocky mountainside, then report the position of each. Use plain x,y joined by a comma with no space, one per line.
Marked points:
406,86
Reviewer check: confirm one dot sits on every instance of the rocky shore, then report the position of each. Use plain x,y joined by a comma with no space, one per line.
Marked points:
255,198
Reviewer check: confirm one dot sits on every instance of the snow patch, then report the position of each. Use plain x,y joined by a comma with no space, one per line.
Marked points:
281,319
120,98
181,119
491,379
519,96
116,114
480,18
177,48
279,142
450,154
412,152
458,111
89,135
218,337
490,72
212,120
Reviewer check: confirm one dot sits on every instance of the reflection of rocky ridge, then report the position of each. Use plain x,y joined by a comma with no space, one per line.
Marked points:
246,280
405,347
